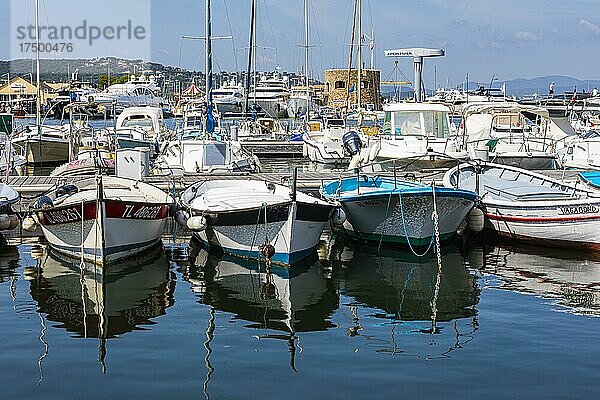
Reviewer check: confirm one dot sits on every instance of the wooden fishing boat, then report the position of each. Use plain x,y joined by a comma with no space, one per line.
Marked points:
398,211
255,219
103,219
529,206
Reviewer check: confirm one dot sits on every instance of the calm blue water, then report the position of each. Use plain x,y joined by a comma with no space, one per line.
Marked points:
350,324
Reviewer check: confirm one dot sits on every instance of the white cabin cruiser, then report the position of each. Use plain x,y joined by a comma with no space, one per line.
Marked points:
419,134
272,95
139,91
229,99
514,134
141,127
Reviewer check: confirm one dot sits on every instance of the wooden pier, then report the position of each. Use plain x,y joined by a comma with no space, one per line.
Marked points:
273,149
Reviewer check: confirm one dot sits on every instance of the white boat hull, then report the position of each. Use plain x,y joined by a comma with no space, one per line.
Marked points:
372,219
293,238
121,230
572,224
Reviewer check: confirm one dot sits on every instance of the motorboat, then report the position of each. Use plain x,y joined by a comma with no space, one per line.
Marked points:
528,206
582,152
324,141
102,219
415,134
46,144
514,134
139,91
255,219
399,212
229,99
8,218
141,127
271,94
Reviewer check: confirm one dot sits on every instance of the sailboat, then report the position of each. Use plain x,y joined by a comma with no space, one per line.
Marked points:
197,150
46,144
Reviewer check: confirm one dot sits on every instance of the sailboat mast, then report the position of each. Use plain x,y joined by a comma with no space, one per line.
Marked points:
209,68
38,105
306,60
253,44
250,50
359,55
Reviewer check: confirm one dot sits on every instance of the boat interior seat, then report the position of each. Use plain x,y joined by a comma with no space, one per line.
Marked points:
526,192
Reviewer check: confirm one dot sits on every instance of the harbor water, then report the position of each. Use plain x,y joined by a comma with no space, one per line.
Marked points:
352,323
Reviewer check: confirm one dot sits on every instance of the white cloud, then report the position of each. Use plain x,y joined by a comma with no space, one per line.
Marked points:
589,26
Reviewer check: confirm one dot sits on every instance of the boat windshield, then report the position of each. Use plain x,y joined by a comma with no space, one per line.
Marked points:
416,123
145,122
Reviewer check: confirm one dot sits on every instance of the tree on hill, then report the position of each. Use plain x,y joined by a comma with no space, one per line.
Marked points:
103,81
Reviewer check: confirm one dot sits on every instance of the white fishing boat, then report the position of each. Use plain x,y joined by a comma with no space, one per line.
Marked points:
529,206
8,218
245,218
48,145
399,212
514,134
102,219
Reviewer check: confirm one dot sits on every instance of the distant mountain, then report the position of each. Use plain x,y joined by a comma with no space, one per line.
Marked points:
90,69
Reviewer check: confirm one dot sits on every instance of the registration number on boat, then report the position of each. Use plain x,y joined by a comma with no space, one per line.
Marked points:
144,212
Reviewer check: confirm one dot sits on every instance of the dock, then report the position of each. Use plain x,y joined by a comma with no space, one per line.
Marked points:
273,149
31,186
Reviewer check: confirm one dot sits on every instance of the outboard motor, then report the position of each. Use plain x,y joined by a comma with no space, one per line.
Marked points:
352,143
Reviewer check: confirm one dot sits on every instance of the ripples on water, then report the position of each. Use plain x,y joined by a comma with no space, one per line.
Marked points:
349,323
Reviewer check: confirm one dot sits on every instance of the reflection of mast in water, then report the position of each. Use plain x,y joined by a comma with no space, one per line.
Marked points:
210,333
287,300
101,303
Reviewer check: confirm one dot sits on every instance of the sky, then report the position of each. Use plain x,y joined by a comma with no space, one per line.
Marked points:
508,38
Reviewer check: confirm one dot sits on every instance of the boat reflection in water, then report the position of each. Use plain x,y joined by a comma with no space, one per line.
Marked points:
570,278
290,300
99,303
411,304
